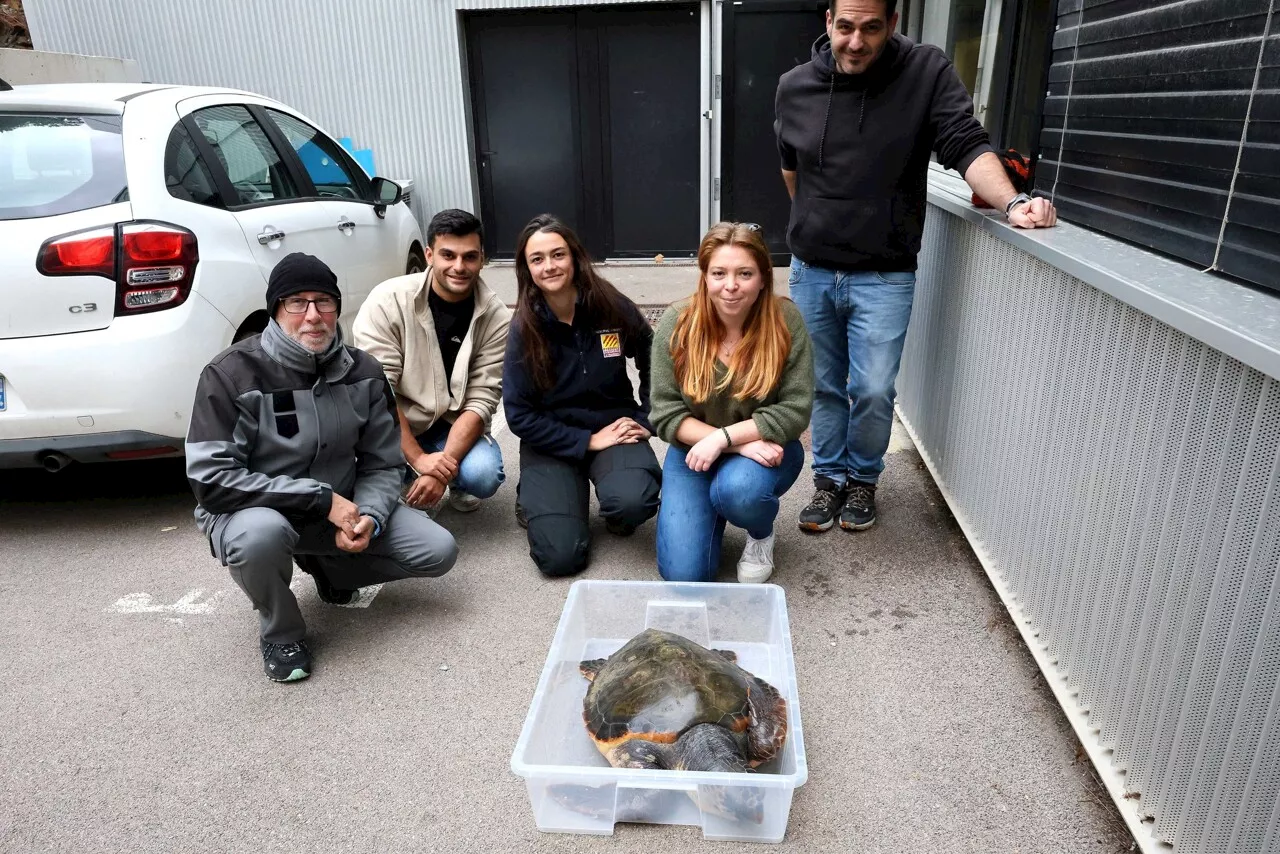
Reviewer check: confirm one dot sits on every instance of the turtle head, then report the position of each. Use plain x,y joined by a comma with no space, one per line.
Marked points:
710,747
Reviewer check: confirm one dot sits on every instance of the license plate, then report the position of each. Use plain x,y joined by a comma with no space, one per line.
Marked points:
2,398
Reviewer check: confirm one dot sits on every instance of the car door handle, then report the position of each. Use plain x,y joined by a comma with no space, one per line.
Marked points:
344,224
270,236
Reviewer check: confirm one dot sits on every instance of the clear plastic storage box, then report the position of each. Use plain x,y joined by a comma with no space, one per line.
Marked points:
574,790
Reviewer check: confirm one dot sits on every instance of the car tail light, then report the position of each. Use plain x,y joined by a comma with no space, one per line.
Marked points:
153,263
86,253
157,266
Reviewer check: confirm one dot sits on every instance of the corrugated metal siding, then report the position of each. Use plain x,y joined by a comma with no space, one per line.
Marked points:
1121,482
387,73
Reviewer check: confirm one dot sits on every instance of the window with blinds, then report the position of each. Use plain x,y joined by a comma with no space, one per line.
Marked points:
1161,126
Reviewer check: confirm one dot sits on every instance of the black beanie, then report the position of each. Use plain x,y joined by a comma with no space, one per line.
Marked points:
298,272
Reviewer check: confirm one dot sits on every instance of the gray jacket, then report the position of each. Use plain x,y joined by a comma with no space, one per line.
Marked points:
275,425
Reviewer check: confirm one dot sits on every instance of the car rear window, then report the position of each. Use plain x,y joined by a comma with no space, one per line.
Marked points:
57,164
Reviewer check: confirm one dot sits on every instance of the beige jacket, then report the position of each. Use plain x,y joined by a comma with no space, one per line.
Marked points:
395,327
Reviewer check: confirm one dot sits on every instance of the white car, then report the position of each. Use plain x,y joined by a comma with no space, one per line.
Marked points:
138,226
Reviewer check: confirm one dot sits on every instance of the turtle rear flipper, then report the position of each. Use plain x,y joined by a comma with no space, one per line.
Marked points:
727,654
768,729
591,667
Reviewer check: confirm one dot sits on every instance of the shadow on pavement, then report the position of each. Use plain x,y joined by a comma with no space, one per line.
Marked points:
80,482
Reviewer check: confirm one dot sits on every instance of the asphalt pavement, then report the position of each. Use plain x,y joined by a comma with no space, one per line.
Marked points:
134,715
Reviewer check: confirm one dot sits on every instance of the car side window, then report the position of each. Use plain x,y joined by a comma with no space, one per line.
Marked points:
333,174
256,169
186,175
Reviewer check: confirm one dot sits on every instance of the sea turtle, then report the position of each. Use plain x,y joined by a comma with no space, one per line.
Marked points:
665,702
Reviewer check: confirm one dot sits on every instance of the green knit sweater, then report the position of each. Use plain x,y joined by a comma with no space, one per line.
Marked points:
780,417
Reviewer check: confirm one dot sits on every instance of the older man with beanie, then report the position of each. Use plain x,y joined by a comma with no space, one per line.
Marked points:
294,454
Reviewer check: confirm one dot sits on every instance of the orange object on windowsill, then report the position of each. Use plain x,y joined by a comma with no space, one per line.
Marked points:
1017,167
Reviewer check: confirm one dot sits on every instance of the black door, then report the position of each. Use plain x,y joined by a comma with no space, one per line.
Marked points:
762,41
593,115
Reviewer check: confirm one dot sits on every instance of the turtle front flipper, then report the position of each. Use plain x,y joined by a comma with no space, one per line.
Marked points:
591,667
638,753
727,655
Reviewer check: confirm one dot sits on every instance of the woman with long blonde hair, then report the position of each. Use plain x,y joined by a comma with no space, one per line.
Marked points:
732,390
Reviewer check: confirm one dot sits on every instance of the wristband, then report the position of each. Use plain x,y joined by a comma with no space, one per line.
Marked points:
728,440
1015,201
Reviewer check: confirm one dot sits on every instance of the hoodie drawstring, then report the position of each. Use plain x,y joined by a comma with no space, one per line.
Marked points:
831,91
862,109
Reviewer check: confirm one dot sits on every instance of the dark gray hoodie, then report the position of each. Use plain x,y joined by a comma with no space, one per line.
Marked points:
859,145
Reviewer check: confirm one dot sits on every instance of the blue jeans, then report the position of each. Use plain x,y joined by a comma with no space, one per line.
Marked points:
858,324
479,472
696,505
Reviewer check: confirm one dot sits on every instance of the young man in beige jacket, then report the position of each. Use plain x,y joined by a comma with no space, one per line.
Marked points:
441,336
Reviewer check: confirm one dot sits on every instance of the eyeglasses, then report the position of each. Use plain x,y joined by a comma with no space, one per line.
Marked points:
749,226
298,305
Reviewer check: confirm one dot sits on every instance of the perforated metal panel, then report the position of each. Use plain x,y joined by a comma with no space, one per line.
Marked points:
1121,482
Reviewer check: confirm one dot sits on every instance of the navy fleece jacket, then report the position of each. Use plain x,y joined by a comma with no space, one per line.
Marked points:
590,388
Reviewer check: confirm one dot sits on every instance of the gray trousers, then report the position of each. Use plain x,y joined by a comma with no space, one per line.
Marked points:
258,545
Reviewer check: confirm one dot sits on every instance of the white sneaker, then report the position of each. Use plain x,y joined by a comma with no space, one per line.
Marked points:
756,564
463,502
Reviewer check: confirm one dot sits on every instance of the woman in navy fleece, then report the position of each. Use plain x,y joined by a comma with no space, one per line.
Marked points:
568,397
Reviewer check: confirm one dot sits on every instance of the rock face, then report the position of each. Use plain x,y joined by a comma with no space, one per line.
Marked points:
13,25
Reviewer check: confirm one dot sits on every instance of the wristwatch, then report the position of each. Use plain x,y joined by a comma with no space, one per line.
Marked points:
1015,201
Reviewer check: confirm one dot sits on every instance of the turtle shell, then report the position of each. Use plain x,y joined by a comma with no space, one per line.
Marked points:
658,685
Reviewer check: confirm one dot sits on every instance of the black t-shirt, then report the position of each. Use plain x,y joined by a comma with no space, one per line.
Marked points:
451,320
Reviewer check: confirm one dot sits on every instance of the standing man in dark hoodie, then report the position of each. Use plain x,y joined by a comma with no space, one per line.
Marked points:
855,129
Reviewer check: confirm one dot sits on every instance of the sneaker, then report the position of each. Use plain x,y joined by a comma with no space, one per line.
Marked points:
756,564
463,502
823,507
326,591
619,529
859,512
521,519
286,662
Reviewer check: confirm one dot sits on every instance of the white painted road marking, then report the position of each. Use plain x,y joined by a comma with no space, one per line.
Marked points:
195,603
143,603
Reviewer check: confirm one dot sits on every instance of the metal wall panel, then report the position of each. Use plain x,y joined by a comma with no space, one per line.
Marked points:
1120,481
388,73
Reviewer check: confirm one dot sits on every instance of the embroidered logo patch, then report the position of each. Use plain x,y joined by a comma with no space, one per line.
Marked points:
611,344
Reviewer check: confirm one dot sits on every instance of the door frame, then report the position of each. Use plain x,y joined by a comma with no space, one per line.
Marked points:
472,24
595,202
728,42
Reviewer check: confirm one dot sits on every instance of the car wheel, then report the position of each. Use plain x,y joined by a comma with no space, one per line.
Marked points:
415,264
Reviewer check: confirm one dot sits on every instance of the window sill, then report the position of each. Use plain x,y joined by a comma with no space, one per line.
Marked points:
1237,319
